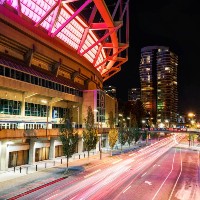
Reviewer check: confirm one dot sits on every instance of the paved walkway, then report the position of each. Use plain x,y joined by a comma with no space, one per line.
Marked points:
19,171
23,170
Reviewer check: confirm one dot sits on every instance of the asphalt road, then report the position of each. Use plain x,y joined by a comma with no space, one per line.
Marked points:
163,170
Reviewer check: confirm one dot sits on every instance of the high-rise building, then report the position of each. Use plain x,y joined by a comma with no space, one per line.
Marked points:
134,94
110,90
158,78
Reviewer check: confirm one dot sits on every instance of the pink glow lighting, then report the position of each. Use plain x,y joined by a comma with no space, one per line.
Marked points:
70,34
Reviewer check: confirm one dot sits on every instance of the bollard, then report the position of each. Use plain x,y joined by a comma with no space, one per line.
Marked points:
61,161
14,169
36,167
45,165
20,169
79,156
27,170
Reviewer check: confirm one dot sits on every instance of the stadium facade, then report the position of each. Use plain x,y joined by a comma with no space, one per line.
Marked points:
55,55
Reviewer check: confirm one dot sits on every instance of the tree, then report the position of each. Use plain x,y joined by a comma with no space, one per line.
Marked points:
68,136
112,137
136,134
130,135
113,133
122,137
111,120
90,134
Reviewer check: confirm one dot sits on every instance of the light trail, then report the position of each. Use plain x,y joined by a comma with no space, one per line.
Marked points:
177,178
126,189
165,178
117,161
144,174
113,176
92,173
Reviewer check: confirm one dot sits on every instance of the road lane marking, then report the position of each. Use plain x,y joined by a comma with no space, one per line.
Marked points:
73,197
92,173
52,196
116,161
143,174
148,182
131,154
165,178
126,188
176,179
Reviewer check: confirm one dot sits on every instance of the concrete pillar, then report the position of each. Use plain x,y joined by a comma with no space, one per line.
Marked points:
32,152
98,144
23,105
80,145
4,156
49,117
52,149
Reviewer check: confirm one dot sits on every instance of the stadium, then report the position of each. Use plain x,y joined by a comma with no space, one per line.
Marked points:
56,54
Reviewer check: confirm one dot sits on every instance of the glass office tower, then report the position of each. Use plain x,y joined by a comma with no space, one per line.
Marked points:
158,78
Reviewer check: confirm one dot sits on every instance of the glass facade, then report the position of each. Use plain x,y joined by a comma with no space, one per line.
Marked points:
158,77
36,110
10,107
100,106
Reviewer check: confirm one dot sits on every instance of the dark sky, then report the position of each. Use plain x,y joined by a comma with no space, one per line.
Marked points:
172,23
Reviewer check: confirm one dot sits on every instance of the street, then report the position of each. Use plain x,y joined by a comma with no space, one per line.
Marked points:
162,170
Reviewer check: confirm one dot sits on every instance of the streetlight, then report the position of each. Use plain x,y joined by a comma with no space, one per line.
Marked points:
78,113
190,116
129,124
143,122
100,138
166,123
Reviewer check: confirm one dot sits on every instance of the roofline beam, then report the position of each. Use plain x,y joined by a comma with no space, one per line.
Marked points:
101,39
110,57
55,17
47,13
71,18
86,30
108,76
97,54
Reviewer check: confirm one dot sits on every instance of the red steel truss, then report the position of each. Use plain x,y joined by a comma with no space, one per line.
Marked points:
62,21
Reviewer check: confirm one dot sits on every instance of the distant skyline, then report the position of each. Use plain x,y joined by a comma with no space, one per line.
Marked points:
173,24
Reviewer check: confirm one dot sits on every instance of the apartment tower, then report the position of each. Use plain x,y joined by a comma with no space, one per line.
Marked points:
158,78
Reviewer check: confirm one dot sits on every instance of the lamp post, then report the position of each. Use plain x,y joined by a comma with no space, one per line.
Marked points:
191,118
100,137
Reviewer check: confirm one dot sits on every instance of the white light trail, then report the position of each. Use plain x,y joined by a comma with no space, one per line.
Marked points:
92,173
126,189
117,161
176,179
165,178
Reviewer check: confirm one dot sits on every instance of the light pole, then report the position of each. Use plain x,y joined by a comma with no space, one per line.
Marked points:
191,118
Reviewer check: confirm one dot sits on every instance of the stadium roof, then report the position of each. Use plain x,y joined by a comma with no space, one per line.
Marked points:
87,26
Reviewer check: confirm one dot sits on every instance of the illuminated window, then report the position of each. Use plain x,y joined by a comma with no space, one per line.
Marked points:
148,59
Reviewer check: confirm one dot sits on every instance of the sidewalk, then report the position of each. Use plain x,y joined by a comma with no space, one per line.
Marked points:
19,171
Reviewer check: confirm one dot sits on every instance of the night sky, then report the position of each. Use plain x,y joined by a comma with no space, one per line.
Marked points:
172,23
